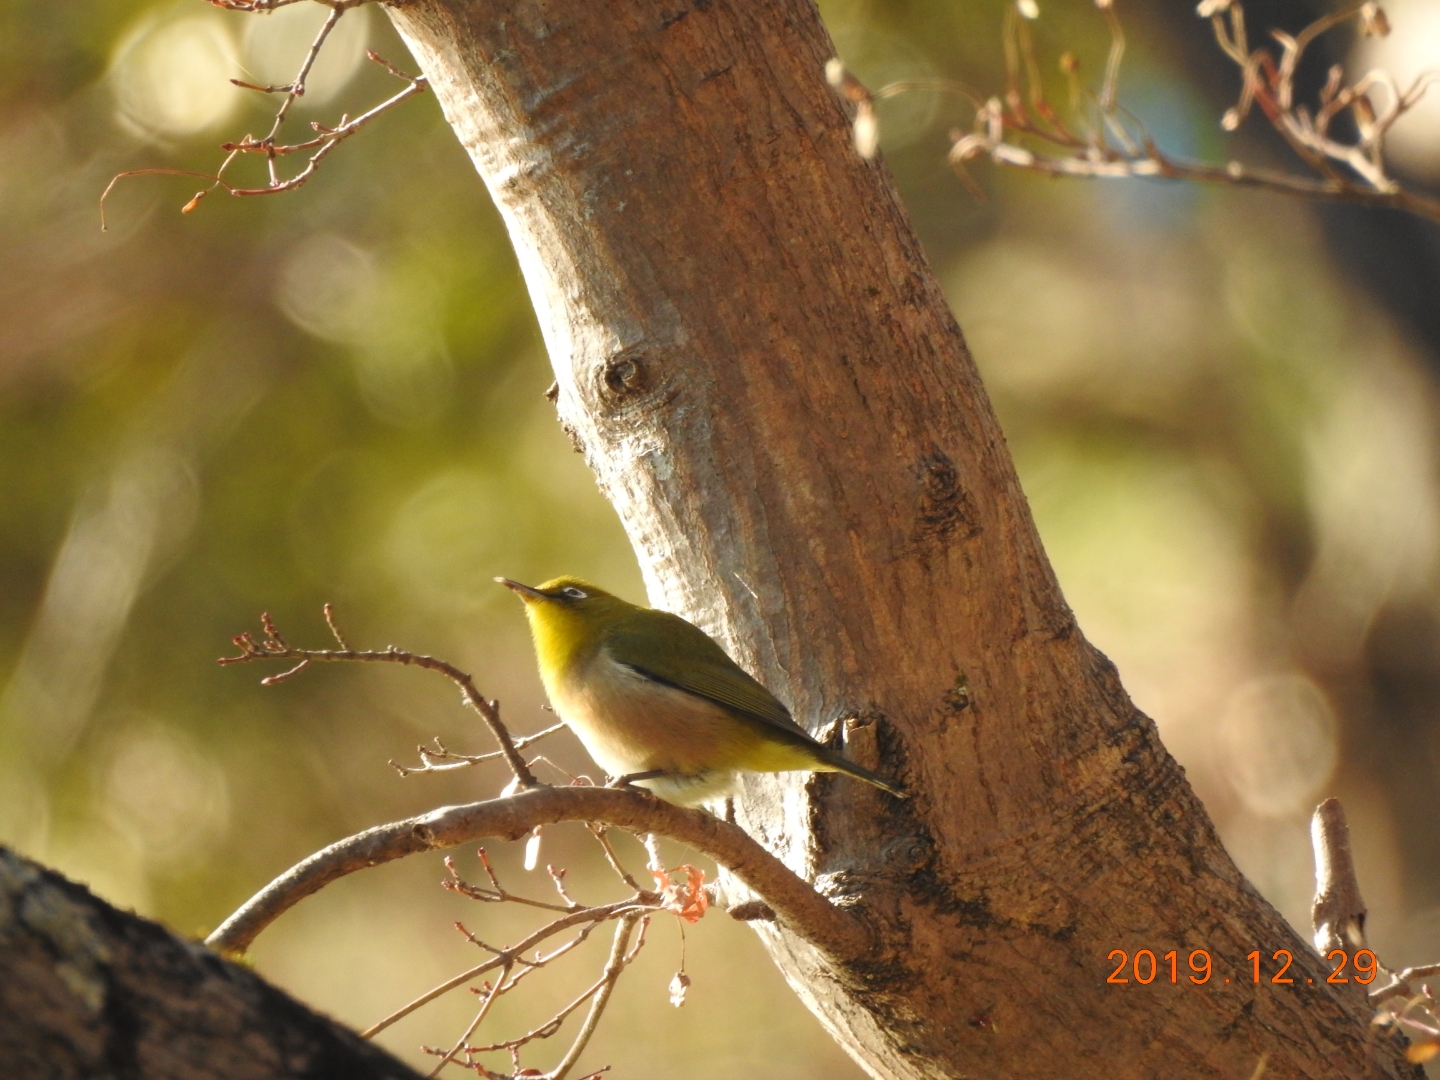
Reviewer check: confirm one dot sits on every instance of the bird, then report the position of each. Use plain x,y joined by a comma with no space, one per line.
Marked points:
657,702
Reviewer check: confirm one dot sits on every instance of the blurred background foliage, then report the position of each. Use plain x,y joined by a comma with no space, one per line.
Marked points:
1222,404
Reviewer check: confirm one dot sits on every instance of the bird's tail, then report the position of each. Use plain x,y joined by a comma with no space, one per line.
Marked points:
834,761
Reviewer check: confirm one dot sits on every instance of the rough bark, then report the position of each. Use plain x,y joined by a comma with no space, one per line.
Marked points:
756,360
89,992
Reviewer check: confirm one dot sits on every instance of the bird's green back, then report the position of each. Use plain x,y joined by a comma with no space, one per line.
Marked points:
670,650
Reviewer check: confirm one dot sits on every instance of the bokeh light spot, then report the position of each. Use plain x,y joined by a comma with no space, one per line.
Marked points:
165,795
334,289
1409,50
1279,738
276,44
327,286
171,78
448,538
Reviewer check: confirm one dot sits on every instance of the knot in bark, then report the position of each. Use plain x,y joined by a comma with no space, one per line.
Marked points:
946,508
627,377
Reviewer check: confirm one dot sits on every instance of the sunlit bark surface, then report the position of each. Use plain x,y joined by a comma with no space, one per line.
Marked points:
755,358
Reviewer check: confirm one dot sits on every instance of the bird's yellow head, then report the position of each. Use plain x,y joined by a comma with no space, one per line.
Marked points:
568,619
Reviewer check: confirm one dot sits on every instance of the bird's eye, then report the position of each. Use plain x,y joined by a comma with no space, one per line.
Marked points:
574,593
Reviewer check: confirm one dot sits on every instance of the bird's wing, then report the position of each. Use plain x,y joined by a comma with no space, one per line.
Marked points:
680,654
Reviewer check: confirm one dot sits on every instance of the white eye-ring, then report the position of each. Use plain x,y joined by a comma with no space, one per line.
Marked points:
574,593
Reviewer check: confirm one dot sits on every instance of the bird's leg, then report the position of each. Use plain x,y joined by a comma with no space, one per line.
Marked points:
629,779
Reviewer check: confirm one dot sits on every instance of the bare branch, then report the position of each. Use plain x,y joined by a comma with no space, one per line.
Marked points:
296,89
638,907
275,647
598,994
324,144
496,894
327,138
588,918
1402,980
506,982
1338,914
442,759
334,627
599,832
557,877
491,995
804,911
264,6
1111,143
619,958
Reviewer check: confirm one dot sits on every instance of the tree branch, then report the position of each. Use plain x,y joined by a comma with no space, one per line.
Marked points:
326,140
805,912
274,647
1104,140
88,991
620,956
442,759
1338,914
586,918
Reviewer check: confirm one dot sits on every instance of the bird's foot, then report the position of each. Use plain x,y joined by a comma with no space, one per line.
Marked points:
628,781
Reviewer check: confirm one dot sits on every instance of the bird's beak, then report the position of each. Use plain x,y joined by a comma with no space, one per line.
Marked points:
525,592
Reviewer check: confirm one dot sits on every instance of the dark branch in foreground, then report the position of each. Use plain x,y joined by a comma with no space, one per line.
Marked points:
804,911
90,991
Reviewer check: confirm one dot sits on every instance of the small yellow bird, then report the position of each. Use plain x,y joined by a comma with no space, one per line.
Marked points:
657,702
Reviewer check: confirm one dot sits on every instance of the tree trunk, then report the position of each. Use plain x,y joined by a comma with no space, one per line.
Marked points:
758,363
87,991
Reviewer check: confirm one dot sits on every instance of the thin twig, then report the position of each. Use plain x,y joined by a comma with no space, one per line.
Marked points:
1402,980
627,912
601,834
558,878
329,610
497,894
442,759
509,979
1114,144
619,959
1157,166
490,997
324,144
1111,91
275,647
598,995
593,916
293,90
262,6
